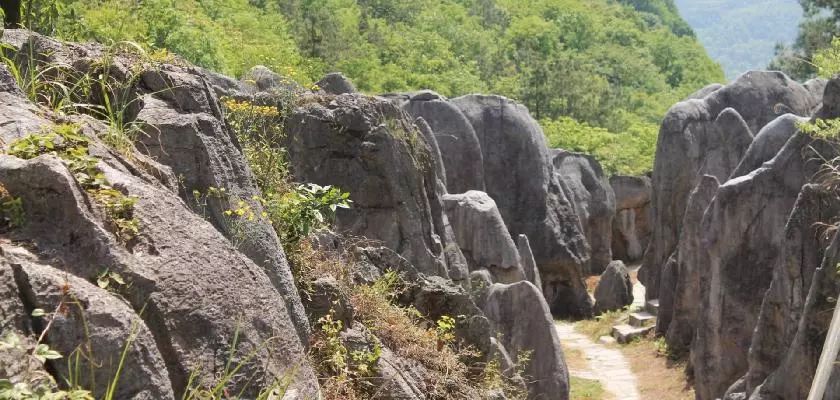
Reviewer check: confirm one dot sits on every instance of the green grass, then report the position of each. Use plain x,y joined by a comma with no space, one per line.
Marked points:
602,325
586,389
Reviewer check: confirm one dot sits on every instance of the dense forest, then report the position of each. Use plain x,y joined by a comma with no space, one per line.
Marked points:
742,35
815,52
598,74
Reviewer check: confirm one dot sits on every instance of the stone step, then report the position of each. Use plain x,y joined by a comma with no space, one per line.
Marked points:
606,340
625,333
642,319
652,306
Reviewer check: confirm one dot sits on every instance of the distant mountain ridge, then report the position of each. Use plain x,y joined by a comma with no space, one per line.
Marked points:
741,35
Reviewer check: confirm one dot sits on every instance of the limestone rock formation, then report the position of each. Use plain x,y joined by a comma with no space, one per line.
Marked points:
590,192
529,265
372,149
615,290
802,253
690,130
459,145
524,323
678,315
185,275
519,176
631,225
483,237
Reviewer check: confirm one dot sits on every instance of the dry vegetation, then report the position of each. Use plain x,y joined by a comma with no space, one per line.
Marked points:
658,376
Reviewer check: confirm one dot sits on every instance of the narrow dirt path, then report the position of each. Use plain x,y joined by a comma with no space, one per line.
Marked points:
605,365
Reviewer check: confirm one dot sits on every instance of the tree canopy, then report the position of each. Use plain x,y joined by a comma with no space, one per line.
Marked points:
615,66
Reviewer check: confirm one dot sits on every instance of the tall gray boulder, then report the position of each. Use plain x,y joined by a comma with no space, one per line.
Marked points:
519,176
690,130
679,319
590,192
631,224
483,237
615,290
524,324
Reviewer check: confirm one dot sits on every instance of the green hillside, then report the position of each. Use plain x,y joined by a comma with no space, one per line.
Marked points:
594,63
742,35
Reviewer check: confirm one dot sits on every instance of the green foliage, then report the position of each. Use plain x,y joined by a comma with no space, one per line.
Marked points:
630,153
259,130
586,389
827,60
11,210
607,64
305,208
816,34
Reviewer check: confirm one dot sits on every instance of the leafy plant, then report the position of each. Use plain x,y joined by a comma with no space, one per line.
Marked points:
304,209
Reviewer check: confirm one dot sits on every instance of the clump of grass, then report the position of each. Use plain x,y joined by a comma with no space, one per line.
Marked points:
602,325
587,389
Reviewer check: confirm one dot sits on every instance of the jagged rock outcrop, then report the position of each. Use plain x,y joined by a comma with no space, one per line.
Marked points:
590,192
690,130
483,237
631,224
794,374
524,325
679,315
185,275
802,253
615,290
743,231
336,83
93,314
529,265
372,149
519,176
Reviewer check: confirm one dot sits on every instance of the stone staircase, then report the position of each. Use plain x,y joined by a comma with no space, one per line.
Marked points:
641,323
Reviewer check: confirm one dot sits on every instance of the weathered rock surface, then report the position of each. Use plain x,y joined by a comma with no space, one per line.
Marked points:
184,129
336,83
95,316
372,149
615,290
743,231
678,319
185,274
483,237
524,324
590,192
529,265
519,176
798,362
690,130
631,225
459,145
801,254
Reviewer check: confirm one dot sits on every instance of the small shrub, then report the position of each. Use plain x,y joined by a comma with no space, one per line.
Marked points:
302,210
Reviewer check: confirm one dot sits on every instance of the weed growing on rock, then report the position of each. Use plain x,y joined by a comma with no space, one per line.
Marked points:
68,143
11,210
